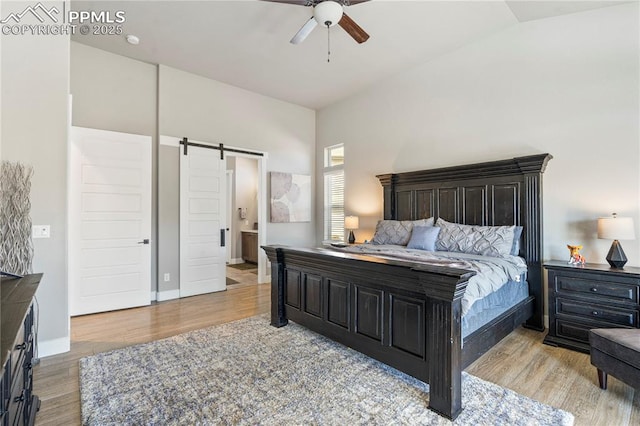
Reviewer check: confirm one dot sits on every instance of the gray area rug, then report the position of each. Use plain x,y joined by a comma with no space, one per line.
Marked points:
248,372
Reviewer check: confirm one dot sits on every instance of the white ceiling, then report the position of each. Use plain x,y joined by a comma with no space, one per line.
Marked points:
245,43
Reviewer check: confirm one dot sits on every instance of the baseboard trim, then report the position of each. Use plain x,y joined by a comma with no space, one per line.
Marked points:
154,296
53,347
161,296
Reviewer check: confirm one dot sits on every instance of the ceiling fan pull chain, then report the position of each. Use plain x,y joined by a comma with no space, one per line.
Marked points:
328,43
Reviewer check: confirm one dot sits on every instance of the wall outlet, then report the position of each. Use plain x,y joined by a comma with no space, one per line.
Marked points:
41,231
167,277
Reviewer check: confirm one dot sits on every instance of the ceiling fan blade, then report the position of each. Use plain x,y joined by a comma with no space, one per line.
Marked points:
353,29
304,31
297,2
313,2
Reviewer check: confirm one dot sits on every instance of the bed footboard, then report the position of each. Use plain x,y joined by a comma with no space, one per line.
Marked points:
404,314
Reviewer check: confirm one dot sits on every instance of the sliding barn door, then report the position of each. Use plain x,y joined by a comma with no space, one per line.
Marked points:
202,221
109,220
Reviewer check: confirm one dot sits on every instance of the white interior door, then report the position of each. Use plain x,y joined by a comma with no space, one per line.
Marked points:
202,221
109,220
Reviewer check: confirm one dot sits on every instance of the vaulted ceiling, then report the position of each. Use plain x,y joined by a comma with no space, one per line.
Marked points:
245,43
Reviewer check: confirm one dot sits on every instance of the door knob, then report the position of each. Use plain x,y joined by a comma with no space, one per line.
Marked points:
145,241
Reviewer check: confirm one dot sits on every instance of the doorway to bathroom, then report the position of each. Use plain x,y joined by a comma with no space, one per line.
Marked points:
243,223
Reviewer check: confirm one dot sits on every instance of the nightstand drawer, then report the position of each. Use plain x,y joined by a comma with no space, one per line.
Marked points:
628,317
612,290
570,330
577,331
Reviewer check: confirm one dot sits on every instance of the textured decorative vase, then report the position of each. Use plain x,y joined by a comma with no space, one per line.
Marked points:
16,247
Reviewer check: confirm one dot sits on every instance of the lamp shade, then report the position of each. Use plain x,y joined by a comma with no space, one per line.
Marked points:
616,228
351,222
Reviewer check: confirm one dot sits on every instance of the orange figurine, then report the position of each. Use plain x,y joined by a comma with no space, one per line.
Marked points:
575,257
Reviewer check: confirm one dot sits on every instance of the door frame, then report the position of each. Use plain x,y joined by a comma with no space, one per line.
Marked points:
263,273
230,197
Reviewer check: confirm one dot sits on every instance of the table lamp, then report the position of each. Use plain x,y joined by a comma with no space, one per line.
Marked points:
351,223
616,228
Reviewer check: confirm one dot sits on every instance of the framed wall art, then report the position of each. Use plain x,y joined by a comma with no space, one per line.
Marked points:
290,198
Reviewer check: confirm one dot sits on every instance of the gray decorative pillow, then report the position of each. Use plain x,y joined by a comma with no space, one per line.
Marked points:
493,241
397,232
424,238
515,248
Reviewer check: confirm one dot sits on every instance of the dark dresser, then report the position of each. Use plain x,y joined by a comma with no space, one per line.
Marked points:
589,296
19,404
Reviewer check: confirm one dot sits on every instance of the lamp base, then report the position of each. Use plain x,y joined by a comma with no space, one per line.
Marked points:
352,238
616,256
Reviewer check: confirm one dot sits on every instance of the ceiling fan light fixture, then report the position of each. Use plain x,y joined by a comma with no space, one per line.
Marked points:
328,13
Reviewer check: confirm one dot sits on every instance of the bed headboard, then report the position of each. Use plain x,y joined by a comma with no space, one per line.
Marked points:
506,192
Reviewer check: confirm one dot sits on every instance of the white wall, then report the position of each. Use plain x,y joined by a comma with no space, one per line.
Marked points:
209,111
35,98
566,85
112,92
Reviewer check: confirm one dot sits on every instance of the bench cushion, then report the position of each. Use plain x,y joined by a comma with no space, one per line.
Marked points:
620,343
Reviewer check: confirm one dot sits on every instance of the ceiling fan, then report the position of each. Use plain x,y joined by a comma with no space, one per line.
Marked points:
328,13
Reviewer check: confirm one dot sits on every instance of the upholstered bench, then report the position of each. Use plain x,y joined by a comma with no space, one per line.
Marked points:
616,351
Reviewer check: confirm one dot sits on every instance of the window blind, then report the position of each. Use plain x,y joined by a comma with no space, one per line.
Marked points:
334,205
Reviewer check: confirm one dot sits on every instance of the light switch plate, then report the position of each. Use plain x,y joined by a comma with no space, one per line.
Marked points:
41,231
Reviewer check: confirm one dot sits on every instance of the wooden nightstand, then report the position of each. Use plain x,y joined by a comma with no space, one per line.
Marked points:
589,296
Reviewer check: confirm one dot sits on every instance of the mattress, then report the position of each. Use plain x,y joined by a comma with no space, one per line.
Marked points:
493,305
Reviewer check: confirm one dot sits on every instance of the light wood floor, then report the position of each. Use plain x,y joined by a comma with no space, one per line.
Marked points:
555,376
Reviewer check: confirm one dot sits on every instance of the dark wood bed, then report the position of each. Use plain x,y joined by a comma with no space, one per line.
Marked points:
407,314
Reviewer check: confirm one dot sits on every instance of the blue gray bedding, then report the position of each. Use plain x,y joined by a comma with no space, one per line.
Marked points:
492,272
493,305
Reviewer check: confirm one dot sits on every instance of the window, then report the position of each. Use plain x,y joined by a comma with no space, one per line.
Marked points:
334,193
334,156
